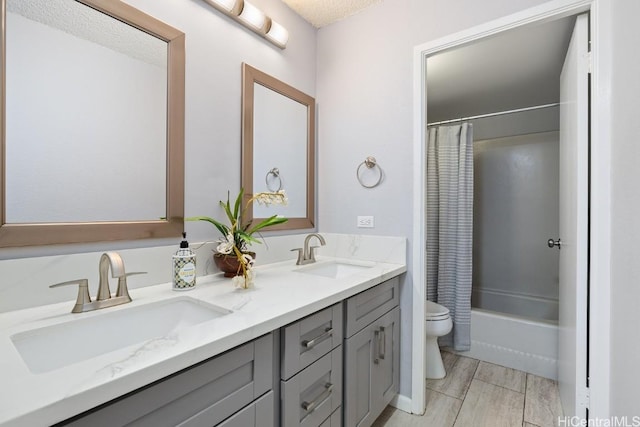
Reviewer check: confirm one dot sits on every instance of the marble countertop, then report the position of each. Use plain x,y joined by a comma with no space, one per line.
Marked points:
281,295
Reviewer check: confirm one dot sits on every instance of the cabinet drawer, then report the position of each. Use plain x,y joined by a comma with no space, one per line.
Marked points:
261,409
369,305
308,339
335,420
203,395
311,396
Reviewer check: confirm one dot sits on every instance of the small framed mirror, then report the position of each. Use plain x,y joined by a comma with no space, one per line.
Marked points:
278,147
92,123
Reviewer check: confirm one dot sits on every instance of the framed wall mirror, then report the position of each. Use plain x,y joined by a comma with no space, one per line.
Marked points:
278,147
92,123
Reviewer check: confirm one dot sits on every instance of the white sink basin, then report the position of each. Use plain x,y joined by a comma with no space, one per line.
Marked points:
53,347
334,269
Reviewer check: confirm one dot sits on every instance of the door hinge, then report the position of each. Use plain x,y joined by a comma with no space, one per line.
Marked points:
584,397
589,62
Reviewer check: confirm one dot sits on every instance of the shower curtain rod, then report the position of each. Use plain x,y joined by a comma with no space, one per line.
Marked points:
499,113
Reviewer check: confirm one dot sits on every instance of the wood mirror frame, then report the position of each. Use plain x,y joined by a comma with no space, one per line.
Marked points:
32,234
251,76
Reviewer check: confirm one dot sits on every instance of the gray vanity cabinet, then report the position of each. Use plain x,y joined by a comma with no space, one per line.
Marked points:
338,366
311,370
227,390
258,414
308,339
372,347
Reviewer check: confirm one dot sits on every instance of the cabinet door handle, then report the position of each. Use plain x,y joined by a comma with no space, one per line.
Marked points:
311,406
376,338
312,343
382,343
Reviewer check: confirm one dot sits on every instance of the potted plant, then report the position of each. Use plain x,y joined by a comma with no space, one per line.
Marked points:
232,255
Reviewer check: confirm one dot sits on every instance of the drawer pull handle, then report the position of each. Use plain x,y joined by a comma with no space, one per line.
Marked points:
376,338
380,338
312,343
311,406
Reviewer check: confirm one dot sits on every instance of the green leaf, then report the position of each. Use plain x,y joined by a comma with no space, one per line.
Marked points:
248,238
223,229
274,220
236,208
242,233
227,210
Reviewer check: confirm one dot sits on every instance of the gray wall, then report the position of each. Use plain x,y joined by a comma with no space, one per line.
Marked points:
625,211
515,211
365,95
216,46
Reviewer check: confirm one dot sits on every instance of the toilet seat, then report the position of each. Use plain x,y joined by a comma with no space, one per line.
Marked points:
436,311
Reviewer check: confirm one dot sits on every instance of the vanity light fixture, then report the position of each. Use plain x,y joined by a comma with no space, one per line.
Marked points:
277,34
224,5
254,19
252,16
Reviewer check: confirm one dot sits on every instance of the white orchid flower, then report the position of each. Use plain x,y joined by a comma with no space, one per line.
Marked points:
238,281
225,246
284,199
244,282
248,260
272,198
250,279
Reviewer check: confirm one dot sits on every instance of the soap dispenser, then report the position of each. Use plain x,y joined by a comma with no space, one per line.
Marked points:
184,267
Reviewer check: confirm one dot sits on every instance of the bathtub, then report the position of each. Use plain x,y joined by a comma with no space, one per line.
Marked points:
515,342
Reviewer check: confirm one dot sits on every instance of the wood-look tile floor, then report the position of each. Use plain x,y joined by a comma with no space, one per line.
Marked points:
479,394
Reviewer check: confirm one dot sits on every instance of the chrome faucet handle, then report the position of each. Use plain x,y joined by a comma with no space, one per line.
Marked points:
83,293
300,255
123,291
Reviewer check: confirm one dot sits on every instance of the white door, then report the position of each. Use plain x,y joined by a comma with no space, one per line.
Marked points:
574,211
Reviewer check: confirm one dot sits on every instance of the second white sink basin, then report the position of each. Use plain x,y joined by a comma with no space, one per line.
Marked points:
334,269
52,347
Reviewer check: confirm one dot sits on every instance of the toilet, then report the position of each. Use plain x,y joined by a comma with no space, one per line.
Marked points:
438,323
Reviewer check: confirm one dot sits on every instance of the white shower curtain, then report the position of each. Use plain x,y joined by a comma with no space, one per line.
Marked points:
450,226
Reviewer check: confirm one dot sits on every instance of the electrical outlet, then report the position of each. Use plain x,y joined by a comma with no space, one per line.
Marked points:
365,222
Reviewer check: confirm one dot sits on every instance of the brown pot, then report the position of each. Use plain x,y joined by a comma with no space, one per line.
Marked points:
229,264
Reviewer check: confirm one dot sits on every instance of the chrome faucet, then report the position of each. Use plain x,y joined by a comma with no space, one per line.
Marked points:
307,255
104,298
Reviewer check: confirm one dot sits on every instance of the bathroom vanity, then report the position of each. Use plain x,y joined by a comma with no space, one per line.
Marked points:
279,354
301,362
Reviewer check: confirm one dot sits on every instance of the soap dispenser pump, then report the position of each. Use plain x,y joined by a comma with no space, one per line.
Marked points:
184,267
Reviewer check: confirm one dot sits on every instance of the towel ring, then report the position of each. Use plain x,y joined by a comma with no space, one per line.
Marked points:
276,174
370,163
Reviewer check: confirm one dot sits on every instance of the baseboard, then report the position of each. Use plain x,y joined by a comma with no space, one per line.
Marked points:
401,402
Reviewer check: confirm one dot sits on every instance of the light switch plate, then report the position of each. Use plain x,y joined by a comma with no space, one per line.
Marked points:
365,221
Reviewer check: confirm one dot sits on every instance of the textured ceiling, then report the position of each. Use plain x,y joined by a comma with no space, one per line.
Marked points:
89,24
324,12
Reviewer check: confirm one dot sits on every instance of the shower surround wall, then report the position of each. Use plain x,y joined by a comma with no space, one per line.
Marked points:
515,212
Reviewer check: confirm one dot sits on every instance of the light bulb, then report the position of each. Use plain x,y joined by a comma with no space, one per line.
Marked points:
252,16
226,5
278,34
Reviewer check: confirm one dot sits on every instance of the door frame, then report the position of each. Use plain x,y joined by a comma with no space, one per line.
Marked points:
600,193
